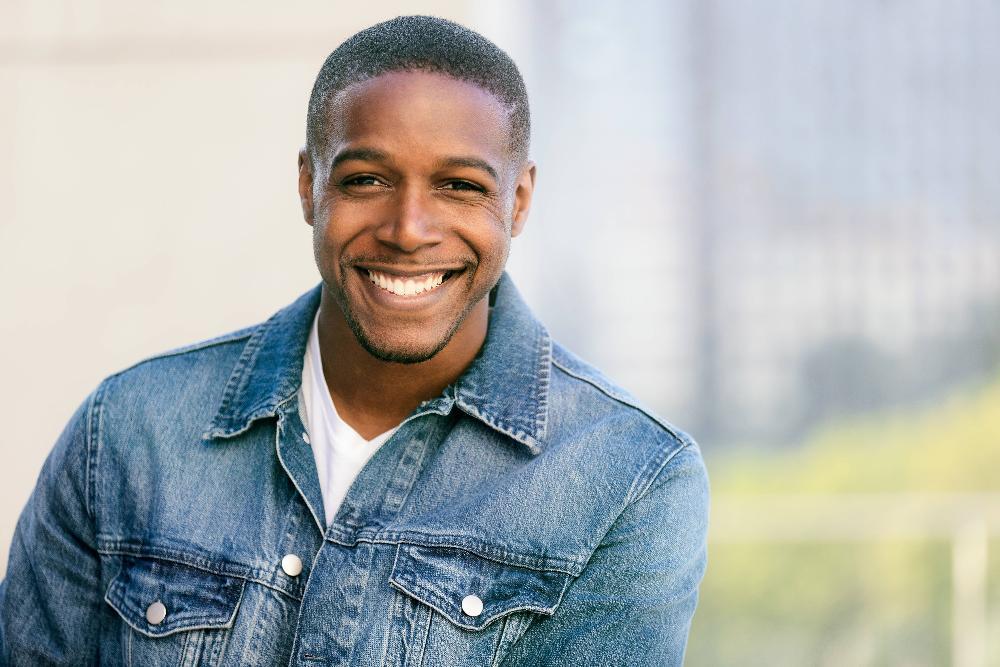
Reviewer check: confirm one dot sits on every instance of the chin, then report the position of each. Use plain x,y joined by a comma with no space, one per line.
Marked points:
401,355
400,352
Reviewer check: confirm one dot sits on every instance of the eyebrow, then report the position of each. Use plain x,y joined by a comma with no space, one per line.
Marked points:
375,155
472,162
364,154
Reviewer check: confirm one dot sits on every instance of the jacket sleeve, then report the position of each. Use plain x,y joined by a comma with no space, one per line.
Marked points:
633,603
49,601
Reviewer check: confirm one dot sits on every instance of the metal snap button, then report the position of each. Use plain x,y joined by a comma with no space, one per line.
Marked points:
155,613
472,605
292,565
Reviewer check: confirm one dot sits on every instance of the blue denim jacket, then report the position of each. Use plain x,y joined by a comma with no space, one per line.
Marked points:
159,528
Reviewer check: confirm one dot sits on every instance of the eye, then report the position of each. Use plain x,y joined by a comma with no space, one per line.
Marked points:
466,186
362,180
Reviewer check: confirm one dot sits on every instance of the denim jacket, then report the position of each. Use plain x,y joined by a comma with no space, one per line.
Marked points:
531,514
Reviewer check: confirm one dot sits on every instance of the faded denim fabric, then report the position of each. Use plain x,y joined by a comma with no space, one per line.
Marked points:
532,483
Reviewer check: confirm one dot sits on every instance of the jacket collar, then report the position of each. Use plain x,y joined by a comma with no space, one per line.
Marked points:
505,387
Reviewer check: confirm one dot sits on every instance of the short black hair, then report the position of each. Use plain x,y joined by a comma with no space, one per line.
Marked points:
420,43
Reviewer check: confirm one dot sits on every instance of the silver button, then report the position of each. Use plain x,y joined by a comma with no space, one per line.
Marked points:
292,565
472,605
305,437
155,613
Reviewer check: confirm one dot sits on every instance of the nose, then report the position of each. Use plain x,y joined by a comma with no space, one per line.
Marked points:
410,224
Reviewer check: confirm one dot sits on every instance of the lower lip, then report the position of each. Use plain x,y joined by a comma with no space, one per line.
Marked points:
388,299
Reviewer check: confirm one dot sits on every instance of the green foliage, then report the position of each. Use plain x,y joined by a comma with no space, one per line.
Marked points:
951,447
883,602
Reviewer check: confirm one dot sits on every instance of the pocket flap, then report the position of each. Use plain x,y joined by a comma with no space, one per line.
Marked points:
191,598
443,577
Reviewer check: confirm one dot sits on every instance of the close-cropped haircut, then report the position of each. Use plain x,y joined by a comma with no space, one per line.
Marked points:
426,43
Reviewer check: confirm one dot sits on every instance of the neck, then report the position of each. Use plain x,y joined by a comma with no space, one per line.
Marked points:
373,395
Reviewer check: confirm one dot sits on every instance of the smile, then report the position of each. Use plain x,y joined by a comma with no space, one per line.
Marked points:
408,285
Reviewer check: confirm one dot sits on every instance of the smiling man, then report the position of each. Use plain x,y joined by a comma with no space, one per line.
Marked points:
399,468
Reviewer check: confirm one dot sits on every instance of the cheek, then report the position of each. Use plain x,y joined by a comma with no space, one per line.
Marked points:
492,248
326,246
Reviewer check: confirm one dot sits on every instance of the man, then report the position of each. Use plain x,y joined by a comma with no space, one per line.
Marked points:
399,468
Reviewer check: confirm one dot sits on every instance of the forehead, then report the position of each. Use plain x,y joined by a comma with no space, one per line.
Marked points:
432,111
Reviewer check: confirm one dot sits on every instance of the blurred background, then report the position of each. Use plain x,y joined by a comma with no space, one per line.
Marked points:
776,222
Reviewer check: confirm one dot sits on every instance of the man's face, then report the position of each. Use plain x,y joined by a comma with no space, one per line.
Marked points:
413,202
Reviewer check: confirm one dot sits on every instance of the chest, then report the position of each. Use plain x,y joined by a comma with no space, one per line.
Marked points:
447,546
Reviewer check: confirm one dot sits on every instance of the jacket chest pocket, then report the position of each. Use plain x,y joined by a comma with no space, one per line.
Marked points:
460,608
173,614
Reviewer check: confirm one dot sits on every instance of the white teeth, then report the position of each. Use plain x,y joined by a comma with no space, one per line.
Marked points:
409,287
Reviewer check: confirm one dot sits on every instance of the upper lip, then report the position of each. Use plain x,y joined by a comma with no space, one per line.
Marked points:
407,271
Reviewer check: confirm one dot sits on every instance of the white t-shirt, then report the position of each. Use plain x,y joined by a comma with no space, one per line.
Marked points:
340,451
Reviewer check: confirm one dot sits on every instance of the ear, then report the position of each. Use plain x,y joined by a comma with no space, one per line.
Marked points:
306,186
522,197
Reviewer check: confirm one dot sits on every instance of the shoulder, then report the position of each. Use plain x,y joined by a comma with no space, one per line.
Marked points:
175,385
581,372
585,403
193,351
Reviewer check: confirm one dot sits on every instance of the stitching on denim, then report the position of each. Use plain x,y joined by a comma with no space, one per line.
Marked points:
569,566
225,339
665,451
239,379
188,660
263,576
118,603
522,437
414,457
518,426
296,637
498,638
544,366
395,628
439,603
220,644
431,599
512,630
94,436
128,646
426,616
613,394
653,469
234,391
288,474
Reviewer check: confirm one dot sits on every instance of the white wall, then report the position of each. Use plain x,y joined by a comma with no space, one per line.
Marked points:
147,189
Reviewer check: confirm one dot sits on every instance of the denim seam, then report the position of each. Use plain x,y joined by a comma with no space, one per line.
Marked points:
438,602
518,426
621,398
235,571
206,620
296,643
94,435
426,634
473,546
542,406
654,468
503,427
233,337
239,379
288,474
176,630
432,599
